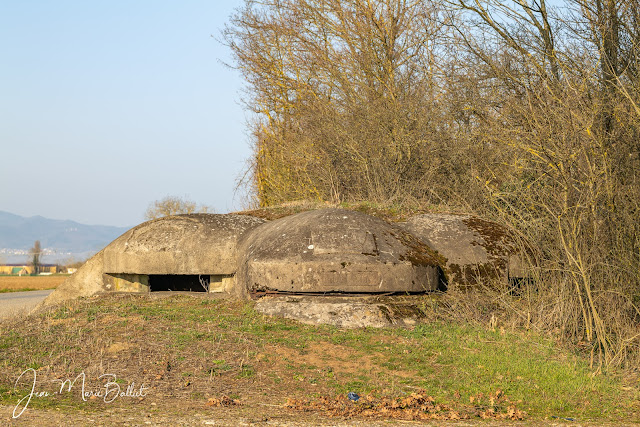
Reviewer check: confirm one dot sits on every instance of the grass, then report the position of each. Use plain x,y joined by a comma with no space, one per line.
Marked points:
5,291
187,347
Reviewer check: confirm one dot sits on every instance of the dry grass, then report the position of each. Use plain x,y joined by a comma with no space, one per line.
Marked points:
14,283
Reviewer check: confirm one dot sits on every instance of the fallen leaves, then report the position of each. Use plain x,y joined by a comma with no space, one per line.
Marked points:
222,401
417,406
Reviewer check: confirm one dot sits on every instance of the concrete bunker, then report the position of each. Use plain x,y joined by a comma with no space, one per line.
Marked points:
336,251
331,266
188,253
476,250
181,253
337,267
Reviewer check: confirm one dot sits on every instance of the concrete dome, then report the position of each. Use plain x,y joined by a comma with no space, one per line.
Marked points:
169,250
181,244
335,250
476,250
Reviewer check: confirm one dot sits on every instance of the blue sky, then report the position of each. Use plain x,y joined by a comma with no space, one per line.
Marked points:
108,106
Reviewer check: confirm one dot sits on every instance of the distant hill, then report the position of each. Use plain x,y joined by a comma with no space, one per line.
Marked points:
62,238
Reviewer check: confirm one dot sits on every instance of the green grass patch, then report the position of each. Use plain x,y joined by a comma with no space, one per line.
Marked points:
4,291
547,379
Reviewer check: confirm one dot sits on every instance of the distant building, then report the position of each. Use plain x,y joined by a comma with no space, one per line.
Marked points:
23,269
19,271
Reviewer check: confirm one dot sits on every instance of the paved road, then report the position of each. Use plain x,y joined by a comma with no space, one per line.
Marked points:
15,303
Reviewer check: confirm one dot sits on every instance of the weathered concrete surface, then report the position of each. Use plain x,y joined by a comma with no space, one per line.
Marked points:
476,250
335,250
343,311
126,282
181,244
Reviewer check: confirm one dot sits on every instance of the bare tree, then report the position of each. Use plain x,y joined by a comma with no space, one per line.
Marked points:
341,90
172,205
565,116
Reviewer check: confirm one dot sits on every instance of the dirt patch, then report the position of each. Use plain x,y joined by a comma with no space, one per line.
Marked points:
327,357
232,416
117,347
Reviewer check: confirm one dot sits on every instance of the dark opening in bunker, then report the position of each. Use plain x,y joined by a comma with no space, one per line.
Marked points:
178,282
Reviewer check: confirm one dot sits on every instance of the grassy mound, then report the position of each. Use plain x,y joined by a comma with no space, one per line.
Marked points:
190,353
